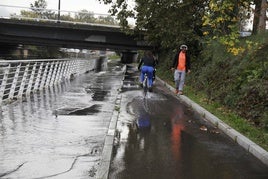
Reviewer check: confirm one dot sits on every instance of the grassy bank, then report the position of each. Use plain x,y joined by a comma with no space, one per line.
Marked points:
257,135
242,125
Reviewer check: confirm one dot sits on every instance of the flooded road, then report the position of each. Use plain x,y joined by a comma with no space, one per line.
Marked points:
60,132
159,138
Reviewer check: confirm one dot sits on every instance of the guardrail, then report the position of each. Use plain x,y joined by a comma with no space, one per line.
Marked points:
20,78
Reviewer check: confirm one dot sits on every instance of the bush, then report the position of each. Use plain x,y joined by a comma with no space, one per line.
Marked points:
238,82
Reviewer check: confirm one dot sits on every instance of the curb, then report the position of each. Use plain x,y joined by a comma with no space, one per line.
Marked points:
103,171
240,139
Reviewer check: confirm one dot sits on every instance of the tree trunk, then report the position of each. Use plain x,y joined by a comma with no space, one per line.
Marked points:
262,19
256,16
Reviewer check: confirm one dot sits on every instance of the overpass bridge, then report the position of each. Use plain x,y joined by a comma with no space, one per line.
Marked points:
43,31
70,35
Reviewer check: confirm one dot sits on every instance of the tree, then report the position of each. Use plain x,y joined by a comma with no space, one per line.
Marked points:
262,16
38,10
222,22
167,23
257,9
39,7
85,16
256,16
106,20
66,17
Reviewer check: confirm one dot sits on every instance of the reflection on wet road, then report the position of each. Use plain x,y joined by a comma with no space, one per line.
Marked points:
159,138
60,132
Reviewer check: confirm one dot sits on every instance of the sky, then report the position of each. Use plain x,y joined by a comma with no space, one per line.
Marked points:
68,5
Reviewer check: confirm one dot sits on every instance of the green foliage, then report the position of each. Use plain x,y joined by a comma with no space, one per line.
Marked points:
39,10
114,57
230,71
258,134
239,82
167,23
164,66
85,16
223,20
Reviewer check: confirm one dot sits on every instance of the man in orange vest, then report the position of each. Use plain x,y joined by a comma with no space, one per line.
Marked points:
181,66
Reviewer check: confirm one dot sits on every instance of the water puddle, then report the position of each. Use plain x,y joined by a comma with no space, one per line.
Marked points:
158,137
59,132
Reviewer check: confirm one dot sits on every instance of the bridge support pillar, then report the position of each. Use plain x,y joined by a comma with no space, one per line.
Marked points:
128,57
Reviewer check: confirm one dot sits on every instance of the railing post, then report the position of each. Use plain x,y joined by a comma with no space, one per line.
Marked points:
85,65
37,81
30,84
75,67
89,62
82,66
64,69
49,76
59,73
69,69
14,83
54,73
42,84
23,82
4,82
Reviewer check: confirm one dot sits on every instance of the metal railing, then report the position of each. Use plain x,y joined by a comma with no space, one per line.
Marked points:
19,78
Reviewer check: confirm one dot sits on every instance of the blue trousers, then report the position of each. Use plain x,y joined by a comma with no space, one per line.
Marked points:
150,71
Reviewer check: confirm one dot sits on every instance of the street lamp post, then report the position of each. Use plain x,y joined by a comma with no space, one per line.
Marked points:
59,12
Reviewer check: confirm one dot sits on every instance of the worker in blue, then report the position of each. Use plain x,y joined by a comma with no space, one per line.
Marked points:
147,64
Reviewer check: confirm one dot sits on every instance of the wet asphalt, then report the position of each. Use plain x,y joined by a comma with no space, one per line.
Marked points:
60,133
160,138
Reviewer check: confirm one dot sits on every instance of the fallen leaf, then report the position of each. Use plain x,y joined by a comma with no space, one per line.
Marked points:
215,131
203,128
